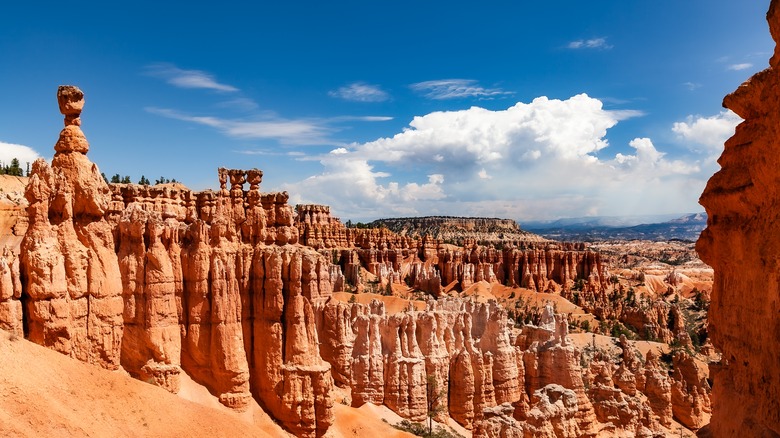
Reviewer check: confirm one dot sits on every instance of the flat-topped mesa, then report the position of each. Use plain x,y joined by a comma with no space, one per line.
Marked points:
741,243
464,223
458,229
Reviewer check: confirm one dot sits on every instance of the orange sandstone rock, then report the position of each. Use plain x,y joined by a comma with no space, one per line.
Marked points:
10,293
691,403
68,257
741,244
160,279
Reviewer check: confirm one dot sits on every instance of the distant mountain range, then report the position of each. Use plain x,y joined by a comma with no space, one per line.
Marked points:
658,227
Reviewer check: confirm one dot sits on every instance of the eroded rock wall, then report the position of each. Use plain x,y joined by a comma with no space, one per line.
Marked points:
160,279
742,244
407,359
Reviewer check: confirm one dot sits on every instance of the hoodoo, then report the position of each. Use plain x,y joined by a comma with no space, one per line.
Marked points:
235,289
68,262
159,279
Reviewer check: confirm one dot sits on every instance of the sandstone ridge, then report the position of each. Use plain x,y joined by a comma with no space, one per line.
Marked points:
459,230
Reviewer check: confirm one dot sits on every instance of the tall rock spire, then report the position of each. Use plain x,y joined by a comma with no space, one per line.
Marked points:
73,286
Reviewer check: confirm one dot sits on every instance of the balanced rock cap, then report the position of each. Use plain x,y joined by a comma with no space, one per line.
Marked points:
71,101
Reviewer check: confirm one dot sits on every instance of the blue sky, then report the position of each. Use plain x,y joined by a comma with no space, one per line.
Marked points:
524,110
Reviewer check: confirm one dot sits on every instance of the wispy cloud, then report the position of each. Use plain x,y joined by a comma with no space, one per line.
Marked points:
312,131
455,88
239,103
286,131
271,153
691,85
593,43
626,114
360,92
360,119
738,67
186,78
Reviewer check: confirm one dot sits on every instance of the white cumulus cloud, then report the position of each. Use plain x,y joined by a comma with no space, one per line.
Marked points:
352,185
710,132
542,159
647,158
25,154
573,128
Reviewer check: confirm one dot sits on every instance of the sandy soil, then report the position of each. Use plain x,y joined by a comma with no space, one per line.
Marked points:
365,421
44,393
610,344
10,183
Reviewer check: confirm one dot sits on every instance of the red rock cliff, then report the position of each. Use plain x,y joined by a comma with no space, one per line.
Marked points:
742,244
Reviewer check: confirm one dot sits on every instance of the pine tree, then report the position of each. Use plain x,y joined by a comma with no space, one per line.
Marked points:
435,396
14,168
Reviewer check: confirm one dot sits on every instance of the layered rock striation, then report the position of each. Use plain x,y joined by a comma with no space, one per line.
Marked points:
535,384
406,360
68,264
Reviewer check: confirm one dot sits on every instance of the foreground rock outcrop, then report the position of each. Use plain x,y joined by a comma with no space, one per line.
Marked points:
163,279
741,243
535,384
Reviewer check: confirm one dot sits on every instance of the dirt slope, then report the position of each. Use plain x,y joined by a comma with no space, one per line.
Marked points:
43,393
